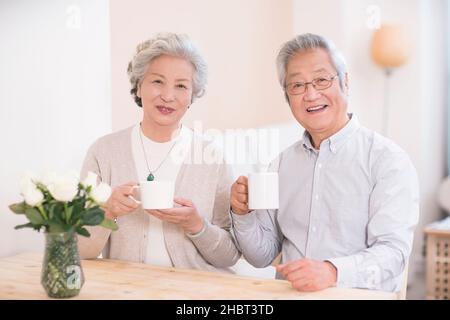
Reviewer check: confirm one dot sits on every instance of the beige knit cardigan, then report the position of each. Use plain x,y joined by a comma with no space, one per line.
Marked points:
206,185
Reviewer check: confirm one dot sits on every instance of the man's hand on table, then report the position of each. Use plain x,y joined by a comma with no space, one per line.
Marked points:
309,275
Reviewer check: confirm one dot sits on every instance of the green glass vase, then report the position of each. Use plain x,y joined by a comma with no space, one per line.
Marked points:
62,275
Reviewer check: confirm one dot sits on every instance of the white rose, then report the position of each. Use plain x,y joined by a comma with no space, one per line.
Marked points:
48,178
90,180
101,193
64,188
26,182
33,196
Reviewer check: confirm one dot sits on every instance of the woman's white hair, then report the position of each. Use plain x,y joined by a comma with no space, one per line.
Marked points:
178,45
305,42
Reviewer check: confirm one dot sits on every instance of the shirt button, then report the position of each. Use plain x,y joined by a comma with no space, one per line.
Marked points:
313,229
317,197
320,165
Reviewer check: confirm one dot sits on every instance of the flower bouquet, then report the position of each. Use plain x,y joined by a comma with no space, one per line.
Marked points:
62,206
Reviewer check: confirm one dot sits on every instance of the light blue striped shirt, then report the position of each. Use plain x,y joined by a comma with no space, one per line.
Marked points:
354,202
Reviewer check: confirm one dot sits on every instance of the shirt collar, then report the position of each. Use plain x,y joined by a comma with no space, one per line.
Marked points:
336,141
307,141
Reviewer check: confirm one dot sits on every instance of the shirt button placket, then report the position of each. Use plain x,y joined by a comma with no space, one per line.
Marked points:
314,204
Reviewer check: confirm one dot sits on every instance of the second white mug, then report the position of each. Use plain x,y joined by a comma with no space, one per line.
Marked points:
263,190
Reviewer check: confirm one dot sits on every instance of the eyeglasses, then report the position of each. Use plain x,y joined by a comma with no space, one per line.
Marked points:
321,83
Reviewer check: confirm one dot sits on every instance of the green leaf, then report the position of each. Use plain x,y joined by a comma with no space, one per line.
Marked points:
34,216
109,224
69,213
83,232
18,208
55,227
26,225
56,211
67,227
51,208
78,208
93,217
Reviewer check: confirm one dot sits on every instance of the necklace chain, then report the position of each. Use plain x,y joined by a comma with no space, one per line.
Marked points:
145,155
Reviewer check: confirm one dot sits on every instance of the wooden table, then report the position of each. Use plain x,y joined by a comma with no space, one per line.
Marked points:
112,279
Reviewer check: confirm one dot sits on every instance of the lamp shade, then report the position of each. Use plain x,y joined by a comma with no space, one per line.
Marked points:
390,46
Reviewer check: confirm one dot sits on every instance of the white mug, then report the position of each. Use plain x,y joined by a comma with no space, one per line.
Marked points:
156,194
263,190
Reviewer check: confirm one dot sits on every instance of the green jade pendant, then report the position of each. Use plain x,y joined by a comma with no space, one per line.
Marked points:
150,177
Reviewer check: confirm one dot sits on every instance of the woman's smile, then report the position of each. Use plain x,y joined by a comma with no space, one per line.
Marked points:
165,110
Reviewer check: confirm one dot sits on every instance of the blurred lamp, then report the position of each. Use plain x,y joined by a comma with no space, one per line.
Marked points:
390,49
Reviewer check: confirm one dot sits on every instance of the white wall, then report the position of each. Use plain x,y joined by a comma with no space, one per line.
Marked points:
417,90
433,106
448,86
54,95
239,39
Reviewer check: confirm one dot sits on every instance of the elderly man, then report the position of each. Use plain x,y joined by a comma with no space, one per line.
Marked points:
348,196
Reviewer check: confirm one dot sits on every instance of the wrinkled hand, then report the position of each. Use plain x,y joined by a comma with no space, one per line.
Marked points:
186,216
309,275
120,203
239,196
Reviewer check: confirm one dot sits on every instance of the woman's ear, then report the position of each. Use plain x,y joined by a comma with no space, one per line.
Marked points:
138,91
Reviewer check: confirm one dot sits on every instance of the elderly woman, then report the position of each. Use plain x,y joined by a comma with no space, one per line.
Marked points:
167,74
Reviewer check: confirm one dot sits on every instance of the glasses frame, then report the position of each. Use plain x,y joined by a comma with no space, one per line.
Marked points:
331,78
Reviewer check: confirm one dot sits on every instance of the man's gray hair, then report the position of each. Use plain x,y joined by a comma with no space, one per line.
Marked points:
305,42
178,45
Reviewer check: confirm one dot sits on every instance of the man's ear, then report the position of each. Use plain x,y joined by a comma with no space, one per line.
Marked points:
287,98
